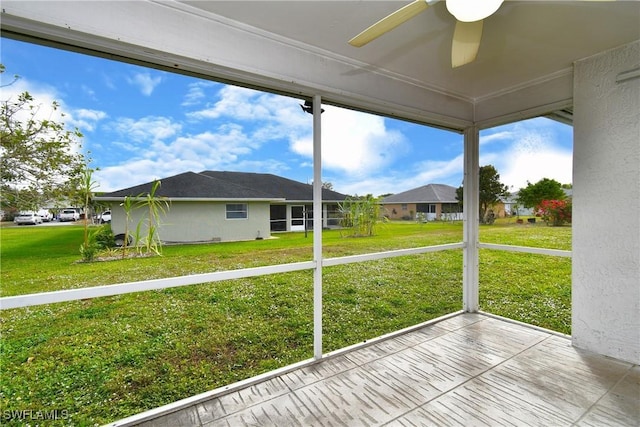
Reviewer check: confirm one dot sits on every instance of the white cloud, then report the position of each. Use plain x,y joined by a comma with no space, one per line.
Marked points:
278,113
216,149
147,128
262,116
534,151
249,119
138,171
197,93
533,166
353,143
503,135
372,185
222,149
361,154
145,82
441,172
415,175
86,120
521,152
141,170
237,102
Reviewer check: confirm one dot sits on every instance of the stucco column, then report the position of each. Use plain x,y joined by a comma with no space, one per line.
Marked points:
606,204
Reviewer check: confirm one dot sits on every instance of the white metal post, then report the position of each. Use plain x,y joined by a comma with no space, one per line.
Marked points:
470,281
317,228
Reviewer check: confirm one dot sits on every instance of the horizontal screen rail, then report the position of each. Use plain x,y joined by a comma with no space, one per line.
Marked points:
147,285
329,262
67,295
525,249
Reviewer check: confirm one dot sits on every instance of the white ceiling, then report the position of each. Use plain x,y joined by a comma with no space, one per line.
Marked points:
523,41
524,65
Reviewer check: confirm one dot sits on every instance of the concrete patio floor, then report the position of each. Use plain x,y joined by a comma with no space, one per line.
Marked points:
468,370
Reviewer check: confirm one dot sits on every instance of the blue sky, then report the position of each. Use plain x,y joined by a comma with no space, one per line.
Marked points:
141,124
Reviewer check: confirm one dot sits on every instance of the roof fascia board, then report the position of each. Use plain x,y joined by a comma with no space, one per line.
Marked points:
235,54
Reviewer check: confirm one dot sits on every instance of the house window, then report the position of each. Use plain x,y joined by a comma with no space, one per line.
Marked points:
237,211
404,206
426,208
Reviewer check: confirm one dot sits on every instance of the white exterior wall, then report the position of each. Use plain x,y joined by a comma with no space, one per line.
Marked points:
201,222
606,205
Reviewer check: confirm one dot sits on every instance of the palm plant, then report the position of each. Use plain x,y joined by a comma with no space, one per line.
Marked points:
360,215
87,186
128,205
156,207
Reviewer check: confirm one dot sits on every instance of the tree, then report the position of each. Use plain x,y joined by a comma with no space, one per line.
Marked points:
490,190
38,156
546,189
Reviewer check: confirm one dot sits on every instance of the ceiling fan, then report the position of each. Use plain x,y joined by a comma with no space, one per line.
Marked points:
466,36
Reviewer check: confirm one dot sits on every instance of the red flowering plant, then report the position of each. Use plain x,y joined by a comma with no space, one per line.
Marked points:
555,212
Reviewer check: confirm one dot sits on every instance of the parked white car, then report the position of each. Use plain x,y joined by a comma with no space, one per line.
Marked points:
45,215
69,215
105,217
27,217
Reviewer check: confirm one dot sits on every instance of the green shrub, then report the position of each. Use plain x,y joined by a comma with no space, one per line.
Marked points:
88,251
103,237
100,239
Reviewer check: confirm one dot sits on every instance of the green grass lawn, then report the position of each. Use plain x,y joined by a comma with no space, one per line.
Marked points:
107,358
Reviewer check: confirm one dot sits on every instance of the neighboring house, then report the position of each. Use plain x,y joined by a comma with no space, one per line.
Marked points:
435,201
227,206
513,208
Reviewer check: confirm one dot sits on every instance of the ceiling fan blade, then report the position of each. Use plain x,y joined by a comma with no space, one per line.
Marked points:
389,22
466,42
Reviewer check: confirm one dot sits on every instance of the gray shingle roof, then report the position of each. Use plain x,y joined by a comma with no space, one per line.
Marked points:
227,185
431,193
275,185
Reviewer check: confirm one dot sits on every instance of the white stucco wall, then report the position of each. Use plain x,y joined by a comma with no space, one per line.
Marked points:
202,222
606,205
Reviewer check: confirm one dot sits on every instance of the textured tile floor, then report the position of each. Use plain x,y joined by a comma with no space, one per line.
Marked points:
469,370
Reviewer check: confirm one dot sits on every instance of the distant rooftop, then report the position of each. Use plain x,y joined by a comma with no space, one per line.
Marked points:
430,193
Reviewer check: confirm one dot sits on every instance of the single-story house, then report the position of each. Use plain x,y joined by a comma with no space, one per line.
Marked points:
513,208
434,201
510,205
226,206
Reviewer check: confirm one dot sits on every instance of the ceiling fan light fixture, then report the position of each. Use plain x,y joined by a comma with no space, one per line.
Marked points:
472,10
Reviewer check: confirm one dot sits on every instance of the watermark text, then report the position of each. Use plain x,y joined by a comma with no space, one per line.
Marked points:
34,414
